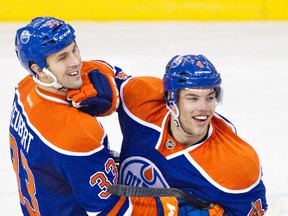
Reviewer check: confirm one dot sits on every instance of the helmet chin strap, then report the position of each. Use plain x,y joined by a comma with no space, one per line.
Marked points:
54,84
176,119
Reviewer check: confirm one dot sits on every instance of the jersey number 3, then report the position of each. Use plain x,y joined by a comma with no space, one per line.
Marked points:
32,207
101,179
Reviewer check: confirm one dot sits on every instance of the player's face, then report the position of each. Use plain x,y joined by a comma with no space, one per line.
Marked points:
66,65
196,108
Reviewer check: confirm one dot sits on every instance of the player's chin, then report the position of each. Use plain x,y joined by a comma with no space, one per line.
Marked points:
200,129
75,84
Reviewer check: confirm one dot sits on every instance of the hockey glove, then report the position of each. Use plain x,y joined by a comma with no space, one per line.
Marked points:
98,95
186,209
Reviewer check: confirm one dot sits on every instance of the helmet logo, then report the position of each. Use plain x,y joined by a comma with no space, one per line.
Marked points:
199,64
51,23
176,61
65,34
25,37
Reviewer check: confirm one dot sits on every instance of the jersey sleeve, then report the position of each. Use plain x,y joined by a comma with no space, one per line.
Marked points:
142,93
92,174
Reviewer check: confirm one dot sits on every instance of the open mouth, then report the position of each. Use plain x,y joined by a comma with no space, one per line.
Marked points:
201,118
74,73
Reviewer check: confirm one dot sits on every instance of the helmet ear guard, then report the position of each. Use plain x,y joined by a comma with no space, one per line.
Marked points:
218,93
169,97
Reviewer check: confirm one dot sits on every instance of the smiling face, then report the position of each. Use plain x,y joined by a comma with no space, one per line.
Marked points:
66,65
196,108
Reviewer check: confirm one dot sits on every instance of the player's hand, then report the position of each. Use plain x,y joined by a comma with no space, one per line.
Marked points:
98,95
216,210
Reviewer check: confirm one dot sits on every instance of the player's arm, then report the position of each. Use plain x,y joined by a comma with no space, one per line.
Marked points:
91,175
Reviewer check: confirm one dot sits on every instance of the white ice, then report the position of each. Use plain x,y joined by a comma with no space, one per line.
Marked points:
252,58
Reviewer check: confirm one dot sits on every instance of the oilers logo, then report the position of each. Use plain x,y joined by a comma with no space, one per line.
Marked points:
176,61
138,171
25,37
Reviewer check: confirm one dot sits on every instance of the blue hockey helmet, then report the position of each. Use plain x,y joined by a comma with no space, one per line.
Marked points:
40,38
189,71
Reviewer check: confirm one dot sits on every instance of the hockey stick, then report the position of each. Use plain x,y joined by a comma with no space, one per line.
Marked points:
275,209
125,190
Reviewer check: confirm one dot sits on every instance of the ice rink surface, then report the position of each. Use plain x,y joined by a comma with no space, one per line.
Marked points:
252,58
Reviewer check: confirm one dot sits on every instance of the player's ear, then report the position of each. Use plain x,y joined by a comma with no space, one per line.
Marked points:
36,69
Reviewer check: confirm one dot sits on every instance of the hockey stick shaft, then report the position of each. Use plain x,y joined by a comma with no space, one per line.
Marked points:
275,209
125,190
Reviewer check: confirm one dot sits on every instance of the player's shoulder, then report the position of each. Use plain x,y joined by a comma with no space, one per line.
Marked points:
101,65
144,86
219,120
26,80
26,84
59,125
68,129
149,81
140,94
141,88
87,133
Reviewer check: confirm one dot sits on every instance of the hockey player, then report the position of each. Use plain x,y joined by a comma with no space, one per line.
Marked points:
173,138
61,155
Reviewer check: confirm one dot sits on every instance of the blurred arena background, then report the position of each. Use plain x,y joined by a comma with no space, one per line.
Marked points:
148,10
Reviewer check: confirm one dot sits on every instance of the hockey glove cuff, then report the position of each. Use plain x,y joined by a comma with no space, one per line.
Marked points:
167,206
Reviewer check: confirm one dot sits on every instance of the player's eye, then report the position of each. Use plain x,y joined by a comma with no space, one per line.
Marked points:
62,58
211,98
192,98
